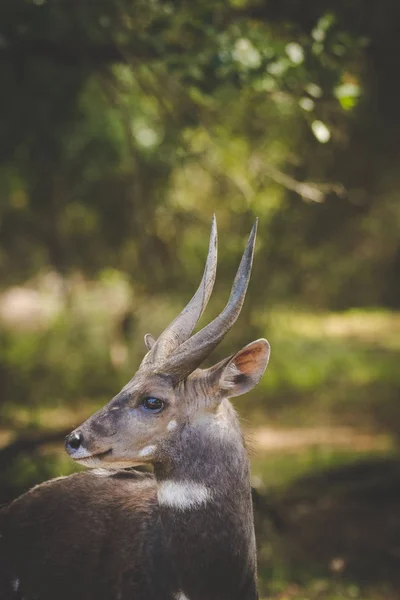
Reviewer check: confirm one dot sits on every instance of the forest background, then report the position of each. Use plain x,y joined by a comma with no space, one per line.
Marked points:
123,126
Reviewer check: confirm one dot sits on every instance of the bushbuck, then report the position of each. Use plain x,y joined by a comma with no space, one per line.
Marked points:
182,532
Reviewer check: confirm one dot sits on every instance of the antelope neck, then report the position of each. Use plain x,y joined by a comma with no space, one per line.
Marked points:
206,512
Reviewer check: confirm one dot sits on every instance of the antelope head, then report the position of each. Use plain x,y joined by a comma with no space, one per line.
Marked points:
169,391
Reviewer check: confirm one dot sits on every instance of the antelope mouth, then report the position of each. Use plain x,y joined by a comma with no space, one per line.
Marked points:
99,455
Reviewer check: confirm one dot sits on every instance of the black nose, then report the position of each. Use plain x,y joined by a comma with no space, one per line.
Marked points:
73,441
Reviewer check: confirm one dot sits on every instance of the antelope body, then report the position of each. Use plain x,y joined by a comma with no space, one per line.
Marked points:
183,533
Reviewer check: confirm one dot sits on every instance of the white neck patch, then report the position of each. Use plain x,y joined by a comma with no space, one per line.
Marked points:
180,596
183,495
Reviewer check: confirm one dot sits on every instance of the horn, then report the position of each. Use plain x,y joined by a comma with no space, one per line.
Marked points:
189,355
182,326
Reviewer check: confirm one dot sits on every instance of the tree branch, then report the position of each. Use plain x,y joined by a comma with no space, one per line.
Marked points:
28,443
76,54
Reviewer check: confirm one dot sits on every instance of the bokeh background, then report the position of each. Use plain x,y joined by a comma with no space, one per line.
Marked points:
123,126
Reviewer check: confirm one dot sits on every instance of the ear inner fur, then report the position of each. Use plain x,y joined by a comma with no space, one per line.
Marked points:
245,369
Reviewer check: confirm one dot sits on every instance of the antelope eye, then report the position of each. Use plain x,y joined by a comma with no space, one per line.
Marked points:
153,404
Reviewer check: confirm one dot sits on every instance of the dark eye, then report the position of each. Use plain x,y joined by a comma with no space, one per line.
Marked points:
153,404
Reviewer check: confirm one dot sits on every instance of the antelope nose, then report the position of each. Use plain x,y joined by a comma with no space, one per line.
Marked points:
73,441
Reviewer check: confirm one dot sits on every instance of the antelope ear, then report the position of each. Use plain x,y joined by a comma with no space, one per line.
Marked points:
149,341
245,369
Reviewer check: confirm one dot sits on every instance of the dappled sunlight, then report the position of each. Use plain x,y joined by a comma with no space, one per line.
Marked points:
324,368
380,328
268,439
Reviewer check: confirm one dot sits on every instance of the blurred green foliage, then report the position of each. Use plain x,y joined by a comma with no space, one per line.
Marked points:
125,124
337,368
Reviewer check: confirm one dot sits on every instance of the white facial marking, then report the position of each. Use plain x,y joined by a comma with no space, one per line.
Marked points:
102,472
81,453
15,584
91,462
182,495
147,451
172,425
180,596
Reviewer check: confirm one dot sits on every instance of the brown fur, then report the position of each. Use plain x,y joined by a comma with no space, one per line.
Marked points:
187,529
